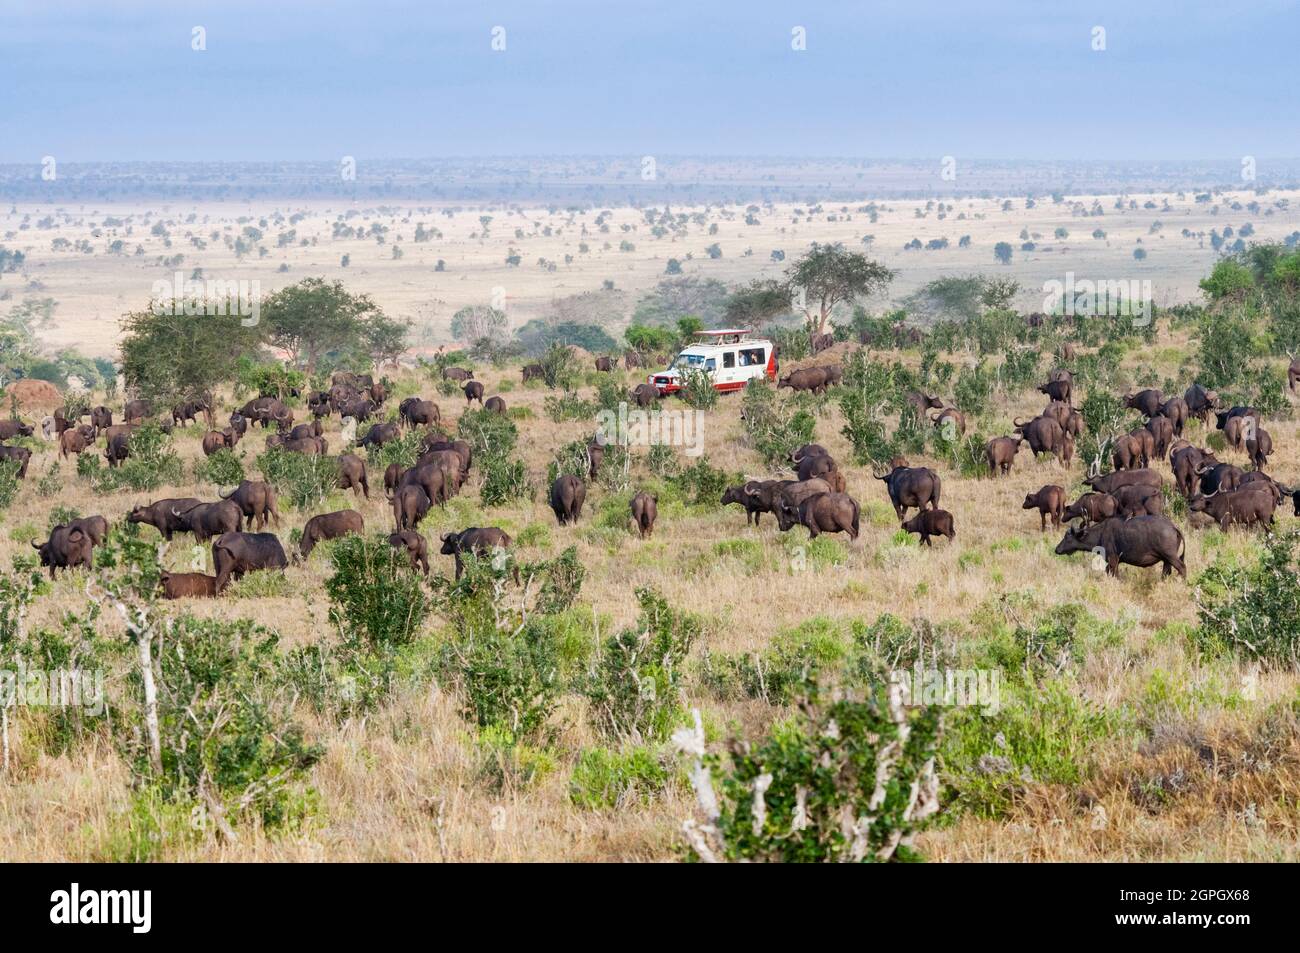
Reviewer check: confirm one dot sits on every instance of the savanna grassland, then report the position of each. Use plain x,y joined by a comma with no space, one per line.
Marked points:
1124,738
346,708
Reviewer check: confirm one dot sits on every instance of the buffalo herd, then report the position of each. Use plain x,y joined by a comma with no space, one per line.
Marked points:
1121,519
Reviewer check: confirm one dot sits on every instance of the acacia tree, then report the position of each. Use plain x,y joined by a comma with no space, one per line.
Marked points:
477,322
756,303
171,358
385,339
829,274
314,317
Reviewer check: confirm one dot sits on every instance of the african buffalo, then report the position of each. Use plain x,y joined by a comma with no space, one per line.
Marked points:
457,374
188,585
380,434
1146,402
1001,453
1259,448
931,523
416,546
1110,482
1139,500
606,364
256,500
645,394
908,487
234,554
21,455
411,503
645,511
1142,541
474,392
1091,508
1220,477
1049,501
1162,433
160,515
67,548
1176,411
477,540
537,372
330,526
210,519
1250,505
352,475
14,428
567,496
496,405
825,513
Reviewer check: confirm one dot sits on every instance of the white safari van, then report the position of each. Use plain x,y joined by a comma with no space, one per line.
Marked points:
731,357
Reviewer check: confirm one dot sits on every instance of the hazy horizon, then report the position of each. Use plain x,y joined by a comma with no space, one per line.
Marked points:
1015,81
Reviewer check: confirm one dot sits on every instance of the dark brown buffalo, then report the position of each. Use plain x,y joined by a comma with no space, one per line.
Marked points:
757,497
1058,390
1049,501
215,440
188,411
1092,508
537,372
312,446
352,475
1128,452
302,431
1176,411
1146,402
264,410
481,541
1200,402
1162,433
1059,411
457,374
67,548
606,364
1250,505
645,394
14,428
209,519
1001,453
1110,482
411,503
416,546
76,439
330,526
452,464
1142,541
188,585
1223,416
137,410
160,515
358,408
816,466
645,510
631,360
789,496
815,379
496,405
825,513
1219,478
101,417
380,434
1293,373
474,392
1260,478
567,496
256,501
392,478
808,450
1045,435
96,527
922,402
437,441
931,523
234,554
819,342
238,423
908,487
1187,462
20,455
416,412
1235,430
950,422
1139,500
1259,448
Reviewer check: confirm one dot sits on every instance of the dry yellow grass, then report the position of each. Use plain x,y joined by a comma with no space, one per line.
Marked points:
405,783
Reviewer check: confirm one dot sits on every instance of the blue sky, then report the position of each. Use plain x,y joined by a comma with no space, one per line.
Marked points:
289,79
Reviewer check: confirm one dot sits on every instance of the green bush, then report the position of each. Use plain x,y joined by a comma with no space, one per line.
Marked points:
302,479
1252,609
703,484
223,468
9,482
152,463
503,481
604,779
375,597
697,389
776,429
849,780
635,685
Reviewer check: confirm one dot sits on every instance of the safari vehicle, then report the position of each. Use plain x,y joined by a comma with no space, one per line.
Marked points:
730,357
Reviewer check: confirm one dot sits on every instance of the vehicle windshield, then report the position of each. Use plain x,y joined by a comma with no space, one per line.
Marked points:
689,360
